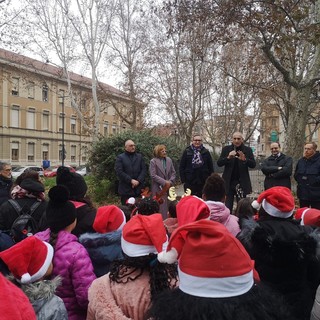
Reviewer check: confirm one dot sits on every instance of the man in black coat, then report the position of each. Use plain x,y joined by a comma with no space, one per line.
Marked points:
131,172
277,168
5,181
236,159
196,166
307,175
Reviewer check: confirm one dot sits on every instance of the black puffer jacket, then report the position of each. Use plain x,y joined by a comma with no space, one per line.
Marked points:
285,258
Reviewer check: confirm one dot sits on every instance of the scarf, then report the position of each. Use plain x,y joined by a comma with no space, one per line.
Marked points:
197,160
18,193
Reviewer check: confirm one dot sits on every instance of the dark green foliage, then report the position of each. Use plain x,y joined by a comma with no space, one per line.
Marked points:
105,151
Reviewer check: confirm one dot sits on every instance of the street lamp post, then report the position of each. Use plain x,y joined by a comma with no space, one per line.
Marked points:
63,152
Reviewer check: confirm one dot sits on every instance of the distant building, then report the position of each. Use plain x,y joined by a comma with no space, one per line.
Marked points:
36,112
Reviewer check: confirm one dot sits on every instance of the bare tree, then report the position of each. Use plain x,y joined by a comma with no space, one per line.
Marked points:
287,33
76,32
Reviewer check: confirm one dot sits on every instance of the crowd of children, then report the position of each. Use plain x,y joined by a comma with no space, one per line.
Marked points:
128,262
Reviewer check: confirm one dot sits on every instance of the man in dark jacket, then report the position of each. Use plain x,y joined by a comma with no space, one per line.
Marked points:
236,159
277,168
196,166
131,172
5,181
307,175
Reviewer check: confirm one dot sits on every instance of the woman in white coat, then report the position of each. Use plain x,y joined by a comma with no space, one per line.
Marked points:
163,175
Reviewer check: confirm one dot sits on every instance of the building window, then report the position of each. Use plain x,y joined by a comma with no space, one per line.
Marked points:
45,93
73,124
15,86
45,152
106,128
15,114
31,90
114,128
273,122
30,151
45,120
31,117
15,151
73,151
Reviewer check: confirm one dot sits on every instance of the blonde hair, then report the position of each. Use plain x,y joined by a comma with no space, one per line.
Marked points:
157,149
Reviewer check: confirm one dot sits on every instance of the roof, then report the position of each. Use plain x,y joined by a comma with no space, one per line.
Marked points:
53,71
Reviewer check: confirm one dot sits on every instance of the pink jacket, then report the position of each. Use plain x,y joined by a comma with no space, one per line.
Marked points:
119,301
72,262
220,213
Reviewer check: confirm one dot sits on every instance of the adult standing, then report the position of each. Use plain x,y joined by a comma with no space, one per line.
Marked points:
277,168
131,172
163,175
307,175
5,181
196,166
236,159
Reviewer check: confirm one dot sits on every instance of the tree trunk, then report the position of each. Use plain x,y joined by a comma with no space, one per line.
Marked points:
297,121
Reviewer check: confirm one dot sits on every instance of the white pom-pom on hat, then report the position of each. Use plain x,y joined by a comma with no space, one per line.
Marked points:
170,256
25,278
255,204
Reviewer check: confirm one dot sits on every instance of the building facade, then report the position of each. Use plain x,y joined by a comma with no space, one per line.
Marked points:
41,113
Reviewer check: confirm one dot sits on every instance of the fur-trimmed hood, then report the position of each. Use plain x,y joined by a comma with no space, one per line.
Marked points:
42,289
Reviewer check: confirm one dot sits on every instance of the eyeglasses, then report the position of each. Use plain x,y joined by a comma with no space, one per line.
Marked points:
237,138
197,140
131,145
7,170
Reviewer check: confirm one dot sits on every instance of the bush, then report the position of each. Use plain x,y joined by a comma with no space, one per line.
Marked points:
105,151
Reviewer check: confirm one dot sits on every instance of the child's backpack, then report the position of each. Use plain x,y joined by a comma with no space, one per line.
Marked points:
25,225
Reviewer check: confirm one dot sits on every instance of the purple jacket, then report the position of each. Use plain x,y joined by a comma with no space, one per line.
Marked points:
220,213
71,261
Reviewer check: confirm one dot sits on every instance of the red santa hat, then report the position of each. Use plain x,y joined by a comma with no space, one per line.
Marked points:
28,260
142,235
109,218
190,209
277,202
308,216
212,262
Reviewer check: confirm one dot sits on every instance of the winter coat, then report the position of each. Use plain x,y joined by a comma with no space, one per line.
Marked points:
307,175
45,303
220,213
5,187
159,176
285,258
229,165
130,166
72,262
195,177
8,213
274,176
118,301
14,304
315,312
103,248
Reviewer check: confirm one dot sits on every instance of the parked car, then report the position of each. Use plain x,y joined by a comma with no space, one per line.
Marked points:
52,171
82,170
19,170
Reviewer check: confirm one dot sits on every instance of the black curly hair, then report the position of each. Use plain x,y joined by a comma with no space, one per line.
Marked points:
147,206
258,303
162,276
